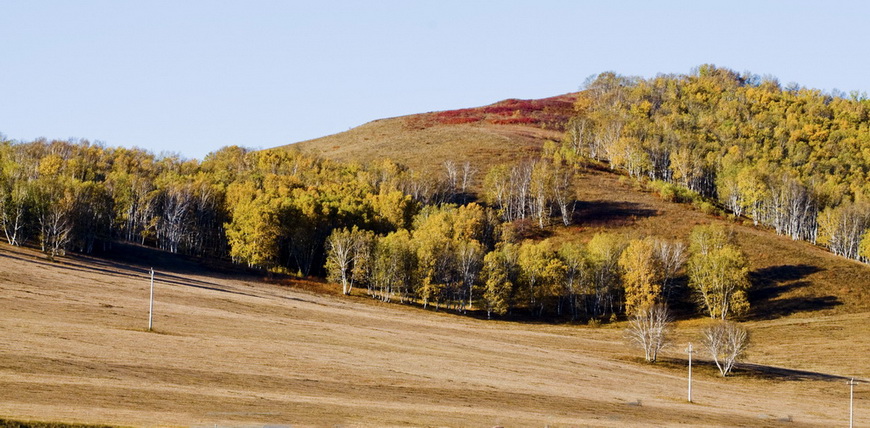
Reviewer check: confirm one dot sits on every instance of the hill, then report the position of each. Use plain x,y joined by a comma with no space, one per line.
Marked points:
499,133
230,349
791,276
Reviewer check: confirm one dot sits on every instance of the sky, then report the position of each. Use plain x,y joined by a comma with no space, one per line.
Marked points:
189,77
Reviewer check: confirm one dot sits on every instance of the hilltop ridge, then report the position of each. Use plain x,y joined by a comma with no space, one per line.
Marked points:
487,135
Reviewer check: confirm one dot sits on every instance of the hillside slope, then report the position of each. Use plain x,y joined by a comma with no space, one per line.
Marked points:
233,350
498,133
791,276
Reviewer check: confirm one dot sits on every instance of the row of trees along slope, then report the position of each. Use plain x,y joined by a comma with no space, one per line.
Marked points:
794,159
383,228
267,209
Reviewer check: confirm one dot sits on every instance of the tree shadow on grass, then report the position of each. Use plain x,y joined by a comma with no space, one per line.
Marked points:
610,213
759,371
703,365
772,282
776,275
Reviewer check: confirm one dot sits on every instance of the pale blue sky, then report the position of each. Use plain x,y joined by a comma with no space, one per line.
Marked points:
192,76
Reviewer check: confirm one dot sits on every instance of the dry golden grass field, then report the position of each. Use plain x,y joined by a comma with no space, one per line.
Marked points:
234,350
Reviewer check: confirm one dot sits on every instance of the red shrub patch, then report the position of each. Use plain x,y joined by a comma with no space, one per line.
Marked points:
515,121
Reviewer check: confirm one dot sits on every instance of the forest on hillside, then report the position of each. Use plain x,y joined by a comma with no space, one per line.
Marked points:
398,234
794,159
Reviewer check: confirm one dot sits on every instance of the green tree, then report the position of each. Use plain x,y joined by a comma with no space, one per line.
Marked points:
435,254
718,272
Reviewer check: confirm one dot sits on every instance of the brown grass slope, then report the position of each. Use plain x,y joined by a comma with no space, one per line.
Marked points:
232,350
498,133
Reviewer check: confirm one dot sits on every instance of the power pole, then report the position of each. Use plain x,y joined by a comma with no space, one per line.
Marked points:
851,384
690,351
151,302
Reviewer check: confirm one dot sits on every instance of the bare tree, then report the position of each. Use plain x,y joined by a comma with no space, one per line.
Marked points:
468,173
452,174
564,192
672,256
56,203
341,249
727,343
174,221
469,258
541,186
649,329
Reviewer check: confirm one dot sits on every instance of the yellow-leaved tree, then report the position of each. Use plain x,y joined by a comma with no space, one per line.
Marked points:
641,275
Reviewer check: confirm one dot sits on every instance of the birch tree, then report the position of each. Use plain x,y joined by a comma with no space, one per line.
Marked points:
649,329
340,257
15,201
718,272
575,259
726,342
564,193
641,275
671,258
500,272
469,257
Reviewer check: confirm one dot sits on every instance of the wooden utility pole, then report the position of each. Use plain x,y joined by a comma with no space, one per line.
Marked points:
690,351
151,302
851,384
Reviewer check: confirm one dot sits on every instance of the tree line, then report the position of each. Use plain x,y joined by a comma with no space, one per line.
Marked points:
261,208
790,158
465,258
398,234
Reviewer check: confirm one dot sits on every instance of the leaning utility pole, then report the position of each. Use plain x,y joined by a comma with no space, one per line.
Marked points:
690,351
151,302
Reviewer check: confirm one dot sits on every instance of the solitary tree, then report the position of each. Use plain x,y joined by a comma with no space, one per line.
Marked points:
727,343
649,329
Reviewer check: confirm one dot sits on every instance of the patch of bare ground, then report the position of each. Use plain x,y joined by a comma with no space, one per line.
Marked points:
230,349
